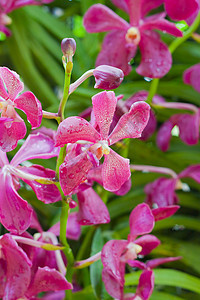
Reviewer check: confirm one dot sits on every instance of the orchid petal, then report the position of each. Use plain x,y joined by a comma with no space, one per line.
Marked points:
12,82
116,51
73,172
192,172
161,192
164,135
35,223
121,4
47,279
125,188
32,107
74,129
114,269
48,193
188,127
18,271
134,8
10,132
92,209
148,242
132,123
2,276
73,227
100,18
163,25
182,10
156,58
15,213
104,105
137,264
115,171
141,220
164,212
192,76
3,92
153,263
3,159
148,5
36,146
146,285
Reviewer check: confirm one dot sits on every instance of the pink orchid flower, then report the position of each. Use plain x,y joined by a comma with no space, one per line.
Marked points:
115,170
17,281
161,192
116,253
15,213
120,44
7,6
12,127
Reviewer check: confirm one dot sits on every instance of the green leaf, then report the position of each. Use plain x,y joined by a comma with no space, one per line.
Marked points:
96,268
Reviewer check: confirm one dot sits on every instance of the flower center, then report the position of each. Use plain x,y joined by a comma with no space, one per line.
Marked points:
133,36
132,250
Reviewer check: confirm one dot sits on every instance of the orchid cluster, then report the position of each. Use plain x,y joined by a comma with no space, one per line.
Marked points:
90,164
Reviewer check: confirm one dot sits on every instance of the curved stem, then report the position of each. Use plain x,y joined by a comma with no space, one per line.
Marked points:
174,45
153,169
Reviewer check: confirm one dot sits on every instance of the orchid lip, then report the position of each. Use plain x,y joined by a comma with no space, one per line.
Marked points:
133,36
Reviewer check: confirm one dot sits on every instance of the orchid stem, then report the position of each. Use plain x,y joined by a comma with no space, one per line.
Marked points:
174,45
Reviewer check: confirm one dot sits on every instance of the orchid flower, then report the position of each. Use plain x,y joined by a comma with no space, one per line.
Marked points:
17,280
161,192
15,213
116,253
115,170
120,44
12,127
183,9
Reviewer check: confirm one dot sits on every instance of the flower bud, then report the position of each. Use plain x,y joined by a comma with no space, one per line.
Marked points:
68,47
107,77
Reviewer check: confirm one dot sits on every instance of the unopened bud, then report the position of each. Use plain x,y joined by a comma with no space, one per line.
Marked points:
107,77
68,47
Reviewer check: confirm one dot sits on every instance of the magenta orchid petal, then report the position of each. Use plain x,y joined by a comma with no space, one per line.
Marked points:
150,128
107,77
74,129
125,188
146,285
161,213
10,132
182,10
134,9
73,227
12,82
3,92
156,59
188,127
192,172
47,279
3,159
148,5
104,105
137,264
141,220
114,269
92,209
121,4
36,146
164,135
161,192
31,106
163,25
2,276
48,193
153,263
35,223
15,214
115,171
116,51
74,172
100,18
131,124
148,242
18,271
192,76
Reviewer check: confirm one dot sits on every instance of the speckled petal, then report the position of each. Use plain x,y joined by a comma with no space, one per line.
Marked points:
132,123
12,82
115,171
182,10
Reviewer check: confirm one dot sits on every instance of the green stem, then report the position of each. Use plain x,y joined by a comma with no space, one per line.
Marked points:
174,45
68,71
